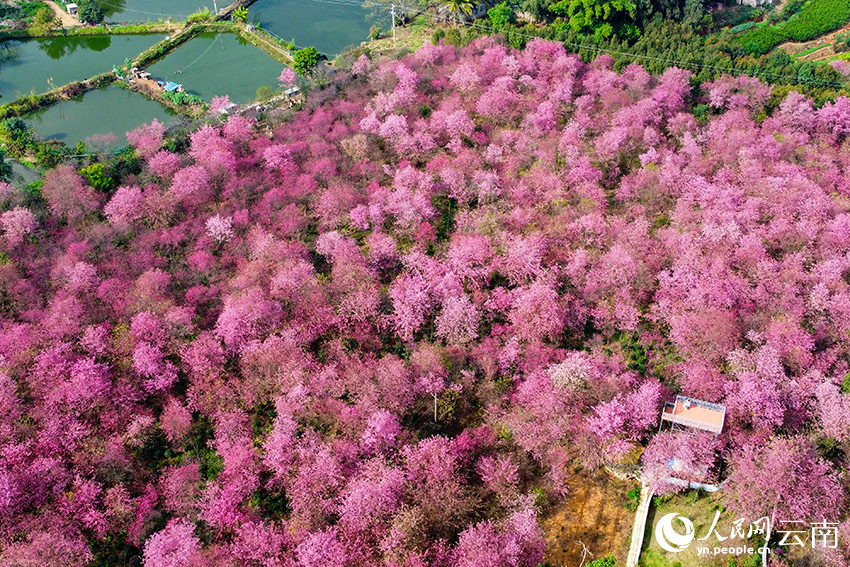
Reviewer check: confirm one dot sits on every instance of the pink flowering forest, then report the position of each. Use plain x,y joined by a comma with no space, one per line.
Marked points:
384,329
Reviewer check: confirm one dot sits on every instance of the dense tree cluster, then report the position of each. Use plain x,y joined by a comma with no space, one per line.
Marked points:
380,335
670,41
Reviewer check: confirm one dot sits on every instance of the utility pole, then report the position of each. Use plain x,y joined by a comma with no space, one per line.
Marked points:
215,6
393,17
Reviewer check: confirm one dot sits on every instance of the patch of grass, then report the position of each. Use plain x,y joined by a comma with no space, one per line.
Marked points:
700,508
633,496
607,561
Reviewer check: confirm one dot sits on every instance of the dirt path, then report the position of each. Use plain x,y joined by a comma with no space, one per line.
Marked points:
68,21
593,513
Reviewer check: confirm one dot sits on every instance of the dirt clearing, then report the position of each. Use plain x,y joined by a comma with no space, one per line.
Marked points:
68,21
594,512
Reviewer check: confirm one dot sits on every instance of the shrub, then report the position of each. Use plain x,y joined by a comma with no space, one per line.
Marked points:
201,16
95,174
264,93
240,13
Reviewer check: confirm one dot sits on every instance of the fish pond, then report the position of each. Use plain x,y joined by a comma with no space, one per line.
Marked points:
213,65
154,10
100,118
328,25
38,65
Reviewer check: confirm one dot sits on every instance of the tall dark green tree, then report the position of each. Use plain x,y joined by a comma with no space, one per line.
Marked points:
90,12
537,8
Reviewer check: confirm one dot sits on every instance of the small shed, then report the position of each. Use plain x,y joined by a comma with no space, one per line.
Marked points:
171,86
291,92
72,9
696,414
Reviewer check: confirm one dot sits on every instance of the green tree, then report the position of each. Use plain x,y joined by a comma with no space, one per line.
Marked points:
44,20
95,174
501,15
17,129
5,167
460,8
240,13
537,8
694,11
90,12
600,17
50,153
306,60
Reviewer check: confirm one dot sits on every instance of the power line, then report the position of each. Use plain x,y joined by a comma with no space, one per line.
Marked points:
217,37
579,46
123,9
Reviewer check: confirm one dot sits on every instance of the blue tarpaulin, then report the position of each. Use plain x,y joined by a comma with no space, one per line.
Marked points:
171,86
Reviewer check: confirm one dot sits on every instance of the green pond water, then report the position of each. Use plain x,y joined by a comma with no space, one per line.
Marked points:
100,118
328,25
34,65
154,10
213,65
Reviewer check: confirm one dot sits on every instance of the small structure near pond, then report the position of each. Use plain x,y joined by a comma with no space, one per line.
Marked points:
172,87
72,9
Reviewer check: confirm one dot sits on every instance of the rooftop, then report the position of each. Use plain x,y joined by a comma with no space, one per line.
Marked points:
695,413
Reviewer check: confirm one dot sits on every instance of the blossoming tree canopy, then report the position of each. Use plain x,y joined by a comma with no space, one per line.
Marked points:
376,332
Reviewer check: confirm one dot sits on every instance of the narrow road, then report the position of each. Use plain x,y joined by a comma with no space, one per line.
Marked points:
640,526
68,21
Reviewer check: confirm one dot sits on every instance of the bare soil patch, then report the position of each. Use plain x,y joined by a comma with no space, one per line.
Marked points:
594,512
